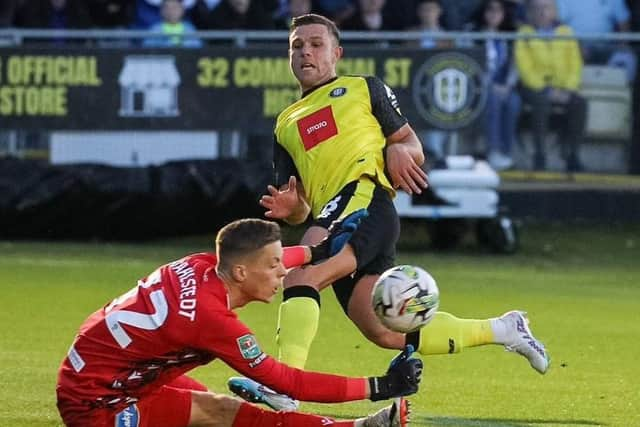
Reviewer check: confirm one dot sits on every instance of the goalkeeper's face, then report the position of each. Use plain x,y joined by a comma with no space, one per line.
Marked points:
264,273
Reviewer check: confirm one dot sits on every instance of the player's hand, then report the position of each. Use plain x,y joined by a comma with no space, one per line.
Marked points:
402,378
281,203
340,231
405,173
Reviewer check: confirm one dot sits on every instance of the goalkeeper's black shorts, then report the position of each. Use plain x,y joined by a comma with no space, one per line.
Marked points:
374,242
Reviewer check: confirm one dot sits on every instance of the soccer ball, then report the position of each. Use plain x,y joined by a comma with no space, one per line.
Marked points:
405,298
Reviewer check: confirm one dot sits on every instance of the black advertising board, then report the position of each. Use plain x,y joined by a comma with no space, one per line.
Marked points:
80,88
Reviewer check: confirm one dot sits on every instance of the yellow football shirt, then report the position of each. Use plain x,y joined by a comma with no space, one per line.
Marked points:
336,134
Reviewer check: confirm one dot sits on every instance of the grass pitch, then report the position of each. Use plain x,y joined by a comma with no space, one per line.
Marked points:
581,287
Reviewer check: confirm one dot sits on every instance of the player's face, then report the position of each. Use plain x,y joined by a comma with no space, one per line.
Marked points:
265,273
313,54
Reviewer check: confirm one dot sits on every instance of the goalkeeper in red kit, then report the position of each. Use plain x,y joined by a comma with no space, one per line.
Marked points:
127,364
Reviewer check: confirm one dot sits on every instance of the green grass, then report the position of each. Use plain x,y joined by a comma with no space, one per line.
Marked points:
581,287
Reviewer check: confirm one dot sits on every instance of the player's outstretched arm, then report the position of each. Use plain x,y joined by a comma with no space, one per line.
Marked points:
287,203
402,378
340,231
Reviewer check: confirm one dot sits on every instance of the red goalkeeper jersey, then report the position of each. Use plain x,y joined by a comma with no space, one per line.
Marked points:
174,320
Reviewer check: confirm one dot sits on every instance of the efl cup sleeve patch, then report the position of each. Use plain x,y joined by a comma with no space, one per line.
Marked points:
248,346
128,417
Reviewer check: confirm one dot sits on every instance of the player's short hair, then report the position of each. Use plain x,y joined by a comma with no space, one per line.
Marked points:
243,237
313,18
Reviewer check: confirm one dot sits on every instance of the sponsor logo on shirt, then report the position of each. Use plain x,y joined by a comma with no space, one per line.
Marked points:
249,347
317,127
128,417
75,359
330,207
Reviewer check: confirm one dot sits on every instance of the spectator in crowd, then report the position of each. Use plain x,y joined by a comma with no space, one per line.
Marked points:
292,9
598,16
516,13
111,13
147,12
634,155
400,15
550,74
201,11
336,10
429,14
175,26
503,100
458,14
233,15
368,16
54,14
8,9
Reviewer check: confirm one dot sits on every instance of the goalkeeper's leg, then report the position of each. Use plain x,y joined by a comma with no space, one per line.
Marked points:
251,416
221,410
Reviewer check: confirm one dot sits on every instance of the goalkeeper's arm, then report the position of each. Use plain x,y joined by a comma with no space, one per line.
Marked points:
402,379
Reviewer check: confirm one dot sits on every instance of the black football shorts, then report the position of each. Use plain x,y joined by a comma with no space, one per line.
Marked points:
374,242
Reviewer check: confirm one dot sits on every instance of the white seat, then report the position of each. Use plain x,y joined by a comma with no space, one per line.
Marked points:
608,98
603,75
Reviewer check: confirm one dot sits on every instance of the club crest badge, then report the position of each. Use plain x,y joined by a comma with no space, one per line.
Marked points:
449,90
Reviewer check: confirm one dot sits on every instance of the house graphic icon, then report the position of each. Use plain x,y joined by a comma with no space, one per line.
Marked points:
149,86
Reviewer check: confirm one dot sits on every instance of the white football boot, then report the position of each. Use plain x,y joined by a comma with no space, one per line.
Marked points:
519,339
395,415
254,392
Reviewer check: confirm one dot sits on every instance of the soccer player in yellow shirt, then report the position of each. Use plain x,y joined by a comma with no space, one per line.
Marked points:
345,146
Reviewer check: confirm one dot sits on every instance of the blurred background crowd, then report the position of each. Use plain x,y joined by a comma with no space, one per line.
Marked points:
230,14
598,16
540,78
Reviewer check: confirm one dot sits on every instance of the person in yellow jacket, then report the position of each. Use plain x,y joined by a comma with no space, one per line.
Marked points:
550,69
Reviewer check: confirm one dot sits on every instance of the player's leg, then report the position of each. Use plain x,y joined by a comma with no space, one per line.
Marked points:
374,247
75,413
188,383
300,310
181,407
209,409
357,305
446,333
168,407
